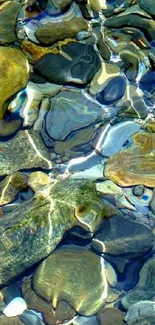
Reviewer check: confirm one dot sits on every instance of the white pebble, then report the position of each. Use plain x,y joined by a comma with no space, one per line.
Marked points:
15,307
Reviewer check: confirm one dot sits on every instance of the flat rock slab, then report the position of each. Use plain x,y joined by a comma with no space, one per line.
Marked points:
25,151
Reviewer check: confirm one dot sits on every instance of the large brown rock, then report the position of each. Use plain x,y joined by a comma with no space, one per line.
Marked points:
73,274
14,70
54,32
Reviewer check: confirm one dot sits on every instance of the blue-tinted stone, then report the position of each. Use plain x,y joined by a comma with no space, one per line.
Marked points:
30,318
12,292
113,91
147,82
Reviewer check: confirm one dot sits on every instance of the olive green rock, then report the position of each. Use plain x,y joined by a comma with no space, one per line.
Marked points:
29,233
148,6
75,275
26,150
14,70
34,229
54,32
8,16
11,185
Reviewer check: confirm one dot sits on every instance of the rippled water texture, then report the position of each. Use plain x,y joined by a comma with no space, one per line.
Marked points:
77,162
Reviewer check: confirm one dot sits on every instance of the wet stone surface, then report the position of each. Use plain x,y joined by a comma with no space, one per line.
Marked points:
77,162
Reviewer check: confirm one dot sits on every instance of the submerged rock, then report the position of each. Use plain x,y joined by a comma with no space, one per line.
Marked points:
134,165
141,313
148,6
13,74
38,225
11,186
97,5
35,227
64,68
63,311
145,288
4,320
34,52
113,91
24,151
85,291
110,316
119,235
8,16
15,307
132,20
103,76
130,58
54,32
11,292
92,320
29,317
73,111
37,180
113,138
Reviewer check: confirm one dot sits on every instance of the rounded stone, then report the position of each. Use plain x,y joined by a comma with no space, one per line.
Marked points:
111,316
8,16
61,69
53,32
12,292
63,311
113,91
75,275
147,82
138,190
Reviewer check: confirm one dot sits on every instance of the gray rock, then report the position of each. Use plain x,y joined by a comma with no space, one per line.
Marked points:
31,318
73,111
145,288
119,235
141,313
80,36
12,292
26,150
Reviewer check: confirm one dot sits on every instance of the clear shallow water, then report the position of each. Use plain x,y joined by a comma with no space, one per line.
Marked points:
77,162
